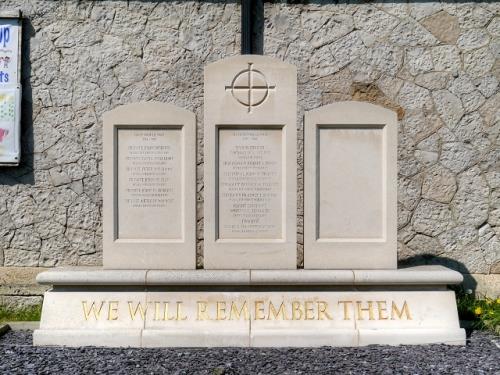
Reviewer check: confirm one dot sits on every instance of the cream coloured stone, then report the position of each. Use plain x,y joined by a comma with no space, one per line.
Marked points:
149,187
406,310
198,319
350,187
301,277
247,318
91,276
198,277
92,310
430,275
91,337
152,338
454,336
443,26
303,337
250,163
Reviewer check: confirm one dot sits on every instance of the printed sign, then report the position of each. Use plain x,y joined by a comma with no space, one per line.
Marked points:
9,51
10,91
9,125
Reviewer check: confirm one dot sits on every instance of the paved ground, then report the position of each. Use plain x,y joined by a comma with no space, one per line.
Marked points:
480,356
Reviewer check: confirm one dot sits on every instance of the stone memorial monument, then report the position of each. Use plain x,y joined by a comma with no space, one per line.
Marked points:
250,164
250,292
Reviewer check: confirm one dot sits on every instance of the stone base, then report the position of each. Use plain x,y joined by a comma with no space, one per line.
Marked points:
249,308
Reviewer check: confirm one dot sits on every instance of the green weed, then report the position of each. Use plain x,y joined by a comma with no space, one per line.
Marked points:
484,312
31,313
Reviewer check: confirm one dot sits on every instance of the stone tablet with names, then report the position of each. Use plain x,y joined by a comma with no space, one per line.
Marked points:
250,181
149,183
149,187
250,164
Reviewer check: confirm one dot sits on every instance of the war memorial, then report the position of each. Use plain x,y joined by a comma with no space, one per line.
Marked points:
324,188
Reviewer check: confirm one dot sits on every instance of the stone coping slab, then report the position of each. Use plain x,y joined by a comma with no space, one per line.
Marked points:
420,275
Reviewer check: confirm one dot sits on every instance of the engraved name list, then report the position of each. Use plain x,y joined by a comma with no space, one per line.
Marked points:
250,181
149,182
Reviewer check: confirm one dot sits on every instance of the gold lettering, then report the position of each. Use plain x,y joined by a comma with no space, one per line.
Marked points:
235,314
157,311
347,316
281,312
259,310
399,313
309,310
113,310
202,311
297,312
165,312
138,307
221,310
369,309
93,309
178,315
323,311
382,307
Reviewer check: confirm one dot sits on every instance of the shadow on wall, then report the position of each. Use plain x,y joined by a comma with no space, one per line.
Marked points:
430,259
24,174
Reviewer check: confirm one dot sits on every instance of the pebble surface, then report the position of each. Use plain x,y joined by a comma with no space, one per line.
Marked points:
480,356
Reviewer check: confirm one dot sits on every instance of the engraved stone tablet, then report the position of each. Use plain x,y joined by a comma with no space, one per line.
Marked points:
350,187
250,163
149,187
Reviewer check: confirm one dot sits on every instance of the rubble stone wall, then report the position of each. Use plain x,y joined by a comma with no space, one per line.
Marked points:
435,63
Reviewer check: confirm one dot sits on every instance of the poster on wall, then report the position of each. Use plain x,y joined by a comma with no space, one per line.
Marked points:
10,91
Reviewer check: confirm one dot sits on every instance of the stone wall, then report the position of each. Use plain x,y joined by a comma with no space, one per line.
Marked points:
436,64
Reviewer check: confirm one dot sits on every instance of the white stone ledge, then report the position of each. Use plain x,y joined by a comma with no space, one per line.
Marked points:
421,275
302,277
430,275
198,277
91,276
268,338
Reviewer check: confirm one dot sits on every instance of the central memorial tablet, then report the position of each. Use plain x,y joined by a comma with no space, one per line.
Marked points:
250,164
250,174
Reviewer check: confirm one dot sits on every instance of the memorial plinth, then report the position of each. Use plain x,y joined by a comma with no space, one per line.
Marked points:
203,308
250,292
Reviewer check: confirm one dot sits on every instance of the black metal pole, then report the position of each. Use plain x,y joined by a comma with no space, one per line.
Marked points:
246,26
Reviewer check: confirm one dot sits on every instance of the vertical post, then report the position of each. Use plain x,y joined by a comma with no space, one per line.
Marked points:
246,26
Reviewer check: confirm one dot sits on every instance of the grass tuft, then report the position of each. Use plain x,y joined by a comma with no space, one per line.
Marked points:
25,314
483,312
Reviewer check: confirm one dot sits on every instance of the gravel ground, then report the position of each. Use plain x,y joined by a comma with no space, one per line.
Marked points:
480,356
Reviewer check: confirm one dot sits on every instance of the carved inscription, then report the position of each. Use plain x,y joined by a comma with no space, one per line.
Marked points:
149,183
294,309
250,183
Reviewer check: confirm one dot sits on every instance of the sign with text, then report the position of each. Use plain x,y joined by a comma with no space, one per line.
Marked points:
10,90
10,43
